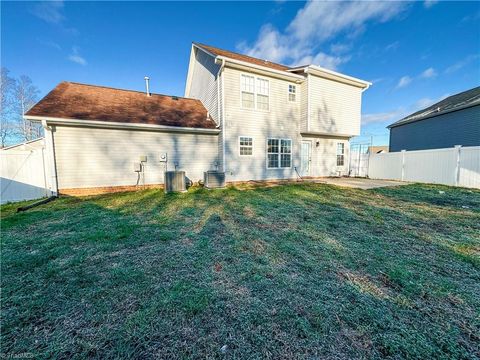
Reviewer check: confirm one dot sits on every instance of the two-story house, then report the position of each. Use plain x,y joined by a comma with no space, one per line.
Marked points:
251,118
276,121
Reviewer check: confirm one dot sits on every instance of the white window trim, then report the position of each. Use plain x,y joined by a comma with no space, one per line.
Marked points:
279,153
253,142
255,77
288,93
336,155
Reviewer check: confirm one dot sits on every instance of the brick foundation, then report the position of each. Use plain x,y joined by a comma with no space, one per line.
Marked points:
114,189
106,189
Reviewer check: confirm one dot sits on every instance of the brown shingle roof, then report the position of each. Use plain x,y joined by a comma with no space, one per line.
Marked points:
89,102
232,55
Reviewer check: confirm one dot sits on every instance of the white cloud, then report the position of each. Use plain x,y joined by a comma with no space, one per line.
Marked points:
429,3
428,73
50,43
404,81
76,57
392,46
313,25
49,11
426,102
321,20
338,48
323,60
400,112
462,63
382,117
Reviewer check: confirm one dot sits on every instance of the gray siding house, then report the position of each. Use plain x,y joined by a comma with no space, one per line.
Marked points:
452,121
250,118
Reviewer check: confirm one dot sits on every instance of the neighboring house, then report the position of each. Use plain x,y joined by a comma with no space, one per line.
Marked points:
377,149
452,121
253,119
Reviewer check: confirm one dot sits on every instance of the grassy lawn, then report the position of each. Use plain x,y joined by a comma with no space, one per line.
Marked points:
297,271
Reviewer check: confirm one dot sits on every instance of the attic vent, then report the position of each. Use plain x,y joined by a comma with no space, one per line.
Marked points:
174,97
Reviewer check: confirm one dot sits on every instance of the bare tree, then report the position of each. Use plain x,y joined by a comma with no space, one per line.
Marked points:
7,85
25,96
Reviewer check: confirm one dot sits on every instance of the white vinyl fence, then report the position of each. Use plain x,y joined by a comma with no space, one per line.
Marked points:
23,175
458,166
358,165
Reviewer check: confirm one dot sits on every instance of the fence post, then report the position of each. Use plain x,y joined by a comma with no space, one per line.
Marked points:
403,165
457,167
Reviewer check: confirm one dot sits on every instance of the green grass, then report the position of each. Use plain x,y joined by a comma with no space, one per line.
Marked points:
295,271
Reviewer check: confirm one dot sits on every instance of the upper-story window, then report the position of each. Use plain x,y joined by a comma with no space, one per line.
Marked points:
292,93
248,91
255,92
262,94
340,154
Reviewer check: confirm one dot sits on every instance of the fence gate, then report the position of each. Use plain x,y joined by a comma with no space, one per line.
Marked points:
23,175
358,164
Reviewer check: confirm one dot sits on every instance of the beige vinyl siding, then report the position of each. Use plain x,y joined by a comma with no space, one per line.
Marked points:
304,105
335,107
324,157
282,120
94,157
204,82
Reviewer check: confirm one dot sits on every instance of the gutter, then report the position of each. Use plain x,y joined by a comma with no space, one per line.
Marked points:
222,109
326,134
119,125
336,76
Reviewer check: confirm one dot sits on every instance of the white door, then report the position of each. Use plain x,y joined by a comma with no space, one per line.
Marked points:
306,158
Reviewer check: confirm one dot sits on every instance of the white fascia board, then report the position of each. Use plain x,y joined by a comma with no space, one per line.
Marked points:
204,50
287,74
317,70
327,134
119,125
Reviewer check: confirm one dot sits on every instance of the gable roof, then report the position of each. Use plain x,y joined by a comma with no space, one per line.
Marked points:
236,56
455,102
69,100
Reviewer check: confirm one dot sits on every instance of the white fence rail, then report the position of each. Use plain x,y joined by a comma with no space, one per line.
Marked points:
458,166
23,175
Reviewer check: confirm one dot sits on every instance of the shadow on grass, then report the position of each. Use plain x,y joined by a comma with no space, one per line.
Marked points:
271,272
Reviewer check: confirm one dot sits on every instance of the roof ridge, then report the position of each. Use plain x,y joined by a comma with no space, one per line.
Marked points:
237,53
120,89
453,102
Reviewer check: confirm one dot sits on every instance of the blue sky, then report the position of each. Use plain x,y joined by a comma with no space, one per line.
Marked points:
415,53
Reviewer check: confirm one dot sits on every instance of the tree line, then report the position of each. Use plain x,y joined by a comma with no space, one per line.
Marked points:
18,95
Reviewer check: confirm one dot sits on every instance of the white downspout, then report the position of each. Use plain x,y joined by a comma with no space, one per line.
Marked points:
52,169
221,107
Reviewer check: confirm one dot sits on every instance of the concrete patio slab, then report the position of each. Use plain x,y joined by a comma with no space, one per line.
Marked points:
360,183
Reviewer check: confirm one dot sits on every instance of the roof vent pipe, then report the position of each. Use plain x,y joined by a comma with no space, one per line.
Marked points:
147,79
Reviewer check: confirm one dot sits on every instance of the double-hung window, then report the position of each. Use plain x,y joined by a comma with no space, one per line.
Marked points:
279,153
255,92
246,145
340,154
248,91
262,94
292,93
